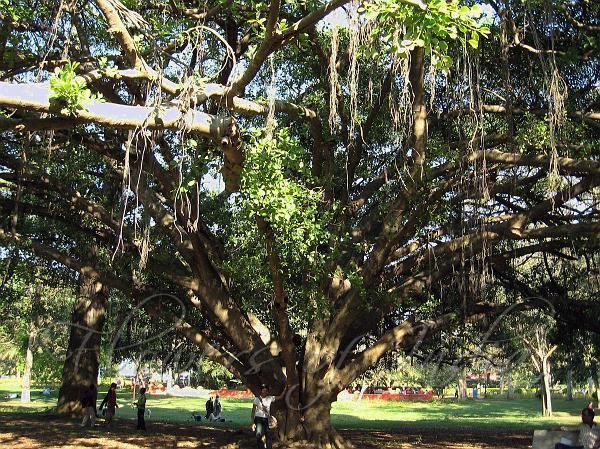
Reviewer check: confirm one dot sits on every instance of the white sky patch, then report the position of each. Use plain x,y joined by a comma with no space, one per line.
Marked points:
488,13
212,182
338,17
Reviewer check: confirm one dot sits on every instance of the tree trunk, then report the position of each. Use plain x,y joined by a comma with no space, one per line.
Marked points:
317,426
35,324
82,361
570,385
501,392
509,393
546,390
462,384
304,414
169,378
26,384
597,388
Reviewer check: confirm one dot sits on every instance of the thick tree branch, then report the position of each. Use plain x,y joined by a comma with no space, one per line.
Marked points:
576,23
104,236
43,183
203,14
274,41
408,334
286,334
36,98
118,28
50,253
565,165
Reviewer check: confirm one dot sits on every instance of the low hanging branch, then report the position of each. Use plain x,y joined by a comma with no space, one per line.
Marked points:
36,97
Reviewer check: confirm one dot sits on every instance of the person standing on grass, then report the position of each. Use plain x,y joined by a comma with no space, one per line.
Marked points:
141,410
110,401
261,412
88,403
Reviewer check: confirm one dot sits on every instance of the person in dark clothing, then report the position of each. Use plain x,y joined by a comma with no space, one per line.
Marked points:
88,403
210,407
216,414
217,411
110,400
141,409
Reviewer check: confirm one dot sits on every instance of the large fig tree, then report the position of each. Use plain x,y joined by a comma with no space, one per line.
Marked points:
299,187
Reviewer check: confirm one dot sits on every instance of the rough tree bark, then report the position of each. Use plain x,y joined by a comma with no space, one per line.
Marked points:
547,391
462,384
34,325
570,385
26,383
83,353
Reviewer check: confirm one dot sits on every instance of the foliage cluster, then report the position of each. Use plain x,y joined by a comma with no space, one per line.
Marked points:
69,91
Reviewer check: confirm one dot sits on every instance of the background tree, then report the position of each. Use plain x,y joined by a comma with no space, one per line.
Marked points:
33,301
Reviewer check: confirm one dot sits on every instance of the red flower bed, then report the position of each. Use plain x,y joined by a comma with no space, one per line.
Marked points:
387,396
238,394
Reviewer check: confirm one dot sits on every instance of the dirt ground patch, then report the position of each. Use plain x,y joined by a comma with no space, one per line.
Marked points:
48,432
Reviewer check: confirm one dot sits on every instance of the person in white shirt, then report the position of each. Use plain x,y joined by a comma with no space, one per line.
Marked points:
589,433
261,411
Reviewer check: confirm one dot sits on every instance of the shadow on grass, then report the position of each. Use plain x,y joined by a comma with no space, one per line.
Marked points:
17,430
38,432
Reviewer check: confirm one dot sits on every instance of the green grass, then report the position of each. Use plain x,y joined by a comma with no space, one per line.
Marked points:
492,414
496,414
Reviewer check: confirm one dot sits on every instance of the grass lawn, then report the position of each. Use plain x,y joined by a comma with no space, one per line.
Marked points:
492,414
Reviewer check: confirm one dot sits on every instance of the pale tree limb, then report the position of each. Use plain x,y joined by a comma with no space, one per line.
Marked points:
195,13
36,98
213,91
118,28
565,165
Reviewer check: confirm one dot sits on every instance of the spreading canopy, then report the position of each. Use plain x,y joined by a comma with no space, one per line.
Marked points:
381,172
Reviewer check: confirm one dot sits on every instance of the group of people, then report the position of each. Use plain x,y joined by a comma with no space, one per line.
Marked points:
262,420
108,406
261,416
213,409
